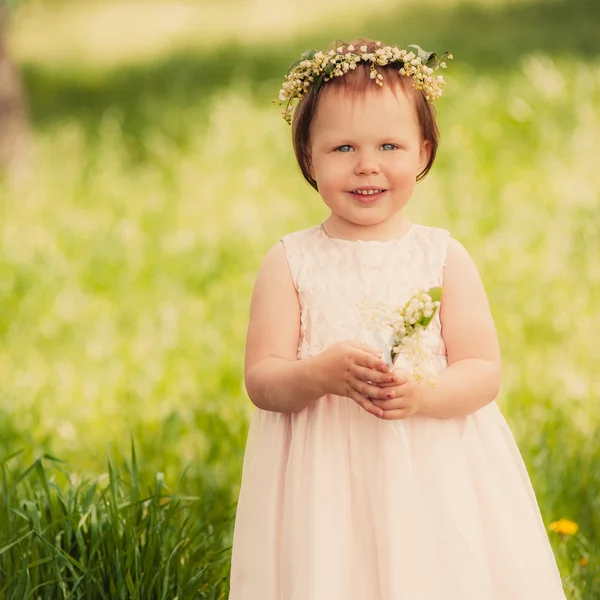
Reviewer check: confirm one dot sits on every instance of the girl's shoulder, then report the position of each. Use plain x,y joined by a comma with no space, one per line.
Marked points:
302,242
430,232
301,234
299,246
432,245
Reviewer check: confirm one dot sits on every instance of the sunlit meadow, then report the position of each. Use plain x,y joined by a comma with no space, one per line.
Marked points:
127,264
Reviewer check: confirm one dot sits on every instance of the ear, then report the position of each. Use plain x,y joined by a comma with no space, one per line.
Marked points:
425,154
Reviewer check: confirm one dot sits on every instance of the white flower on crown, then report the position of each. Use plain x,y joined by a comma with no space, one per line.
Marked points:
314,68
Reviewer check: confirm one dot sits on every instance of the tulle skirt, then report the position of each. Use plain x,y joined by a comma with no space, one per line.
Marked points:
336,504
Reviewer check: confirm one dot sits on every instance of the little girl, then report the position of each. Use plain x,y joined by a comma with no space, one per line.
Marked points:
361,481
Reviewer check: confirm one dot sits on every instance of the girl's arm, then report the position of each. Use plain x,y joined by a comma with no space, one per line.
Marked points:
472,379
275,379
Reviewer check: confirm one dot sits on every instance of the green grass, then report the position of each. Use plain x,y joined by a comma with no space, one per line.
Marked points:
128,261
84,540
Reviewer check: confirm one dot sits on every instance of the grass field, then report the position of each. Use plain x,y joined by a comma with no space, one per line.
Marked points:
128,261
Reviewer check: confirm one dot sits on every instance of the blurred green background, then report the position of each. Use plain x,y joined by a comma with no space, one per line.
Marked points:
162,172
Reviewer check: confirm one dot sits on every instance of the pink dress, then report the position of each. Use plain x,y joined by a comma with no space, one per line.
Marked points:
336,504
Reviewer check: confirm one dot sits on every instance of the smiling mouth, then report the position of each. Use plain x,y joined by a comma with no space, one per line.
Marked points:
367,192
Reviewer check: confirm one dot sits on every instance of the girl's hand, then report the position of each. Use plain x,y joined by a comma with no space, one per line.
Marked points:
353,369
407,399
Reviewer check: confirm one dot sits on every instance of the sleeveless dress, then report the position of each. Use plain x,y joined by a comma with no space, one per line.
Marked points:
337,504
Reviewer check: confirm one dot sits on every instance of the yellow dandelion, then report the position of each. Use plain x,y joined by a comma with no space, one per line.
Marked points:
583,561
564,527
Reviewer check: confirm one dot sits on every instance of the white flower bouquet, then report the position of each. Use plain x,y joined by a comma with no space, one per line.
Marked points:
408,324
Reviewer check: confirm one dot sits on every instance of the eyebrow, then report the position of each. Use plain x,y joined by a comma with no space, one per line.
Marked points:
340,140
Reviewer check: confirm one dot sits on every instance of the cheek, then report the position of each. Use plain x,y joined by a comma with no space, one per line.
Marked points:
404,170
330,172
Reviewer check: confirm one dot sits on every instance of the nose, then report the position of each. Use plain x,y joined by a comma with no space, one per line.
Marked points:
366,164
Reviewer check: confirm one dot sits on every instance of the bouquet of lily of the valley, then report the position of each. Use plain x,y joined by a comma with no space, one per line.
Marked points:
408,324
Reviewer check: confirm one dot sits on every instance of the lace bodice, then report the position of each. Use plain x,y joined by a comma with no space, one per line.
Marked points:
335,277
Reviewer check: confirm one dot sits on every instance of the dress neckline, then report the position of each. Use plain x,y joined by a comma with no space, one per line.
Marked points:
345,242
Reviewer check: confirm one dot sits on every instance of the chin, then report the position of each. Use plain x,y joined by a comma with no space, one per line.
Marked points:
369,217
370,221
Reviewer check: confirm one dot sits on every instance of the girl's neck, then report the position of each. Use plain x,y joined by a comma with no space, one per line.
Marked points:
391,229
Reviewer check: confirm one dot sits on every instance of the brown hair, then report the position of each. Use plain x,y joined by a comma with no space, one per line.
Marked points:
358,81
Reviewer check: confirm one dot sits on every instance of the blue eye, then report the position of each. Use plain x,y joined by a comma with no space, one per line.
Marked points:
341,148
392,145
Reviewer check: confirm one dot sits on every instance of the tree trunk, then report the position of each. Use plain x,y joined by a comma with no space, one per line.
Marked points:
14,125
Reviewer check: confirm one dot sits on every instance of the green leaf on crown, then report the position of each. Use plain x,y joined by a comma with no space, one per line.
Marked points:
423,54
292,67
432,61
306,55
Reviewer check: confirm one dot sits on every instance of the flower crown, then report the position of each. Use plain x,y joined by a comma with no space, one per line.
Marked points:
315,67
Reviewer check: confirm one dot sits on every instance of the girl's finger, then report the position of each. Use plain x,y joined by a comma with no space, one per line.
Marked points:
390,384
363,359
366,348
373,376
389,404
402,376
365,403
372,391
395,414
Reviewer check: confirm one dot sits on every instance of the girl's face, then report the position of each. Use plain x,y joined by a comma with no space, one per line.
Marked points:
370,142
